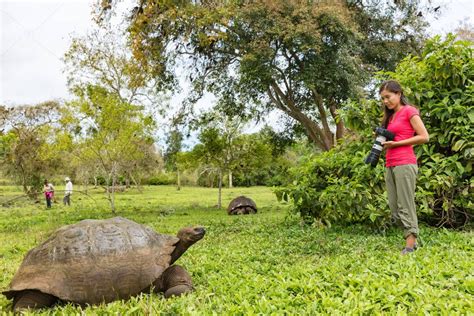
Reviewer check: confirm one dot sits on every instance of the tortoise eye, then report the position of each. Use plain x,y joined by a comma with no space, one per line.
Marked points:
200,230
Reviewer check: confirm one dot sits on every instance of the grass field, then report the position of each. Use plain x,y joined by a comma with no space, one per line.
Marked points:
267,264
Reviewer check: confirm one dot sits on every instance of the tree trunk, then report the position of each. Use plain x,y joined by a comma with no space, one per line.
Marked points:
111,196
219,200
230,180
337,119
25,189
178,180
111,191
127,182
30,191
137,184
321,136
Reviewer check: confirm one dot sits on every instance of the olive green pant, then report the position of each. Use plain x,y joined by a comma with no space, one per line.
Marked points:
401,184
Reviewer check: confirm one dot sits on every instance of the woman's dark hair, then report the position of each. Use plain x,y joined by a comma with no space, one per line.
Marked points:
395,87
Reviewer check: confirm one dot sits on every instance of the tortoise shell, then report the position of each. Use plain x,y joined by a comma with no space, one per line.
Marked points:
95,261
242,205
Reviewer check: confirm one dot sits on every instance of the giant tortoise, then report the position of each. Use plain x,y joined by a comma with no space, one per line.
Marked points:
95,261
242,205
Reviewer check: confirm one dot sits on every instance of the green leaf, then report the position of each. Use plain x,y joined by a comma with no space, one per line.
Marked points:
373,216
458,145
470,114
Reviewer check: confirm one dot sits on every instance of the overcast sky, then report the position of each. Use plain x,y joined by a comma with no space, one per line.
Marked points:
36,34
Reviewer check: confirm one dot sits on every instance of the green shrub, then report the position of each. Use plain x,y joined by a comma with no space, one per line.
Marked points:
162,179
338,186
441,83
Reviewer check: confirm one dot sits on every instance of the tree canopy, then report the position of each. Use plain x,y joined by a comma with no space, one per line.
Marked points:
102,58
302,57
28,146
113,135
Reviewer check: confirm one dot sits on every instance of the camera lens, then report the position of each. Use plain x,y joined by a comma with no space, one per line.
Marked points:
376,151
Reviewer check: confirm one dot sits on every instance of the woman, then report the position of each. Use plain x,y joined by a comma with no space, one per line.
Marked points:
48,193
404,121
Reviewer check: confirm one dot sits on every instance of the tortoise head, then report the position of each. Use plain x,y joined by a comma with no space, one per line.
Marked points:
190,235
187,237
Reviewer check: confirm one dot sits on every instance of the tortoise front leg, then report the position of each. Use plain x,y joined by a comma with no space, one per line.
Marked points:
33,299
176,281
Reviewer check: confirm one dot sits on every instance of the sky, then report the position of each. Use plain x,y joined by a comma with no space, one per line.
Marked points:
35,34
34,37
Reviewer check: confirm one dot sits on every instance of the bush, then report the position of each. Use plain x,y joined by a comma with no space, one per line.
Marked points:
338,186
441,82
162,179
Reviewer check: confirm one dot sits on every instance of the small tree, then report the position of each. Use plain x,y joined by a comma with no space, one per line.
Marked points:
28,144
102,58
211,155
174,144
114,136
252,157
102,72
183,161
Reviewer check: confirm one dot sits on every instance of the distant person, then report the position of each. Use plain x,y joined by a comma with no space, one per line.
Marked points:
48,190
67,192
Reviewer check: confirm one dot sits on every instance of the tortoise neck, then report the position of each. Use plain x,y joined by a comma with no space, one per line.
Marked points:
181,247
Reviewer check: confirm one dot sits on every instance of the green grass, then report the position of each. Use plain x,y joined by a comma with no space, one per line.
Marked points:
266,263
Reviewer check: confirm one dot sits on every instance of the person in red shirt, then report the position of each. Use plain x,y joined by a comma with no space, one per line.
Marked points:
48,190
405,122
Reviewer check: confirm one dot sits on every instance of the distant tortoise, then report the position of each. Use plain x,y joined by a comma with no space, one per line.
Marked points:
95,261
242,205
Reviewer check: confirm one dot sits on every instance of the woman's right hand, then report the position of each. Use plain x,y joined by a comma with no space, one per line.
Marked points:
389,144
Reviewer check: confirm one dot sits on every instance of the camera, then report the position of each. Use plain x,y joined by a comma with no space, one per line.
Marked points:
382,136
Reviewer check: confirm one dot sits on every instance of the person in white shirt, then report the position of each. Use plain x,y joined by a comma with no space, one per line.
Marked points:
67,192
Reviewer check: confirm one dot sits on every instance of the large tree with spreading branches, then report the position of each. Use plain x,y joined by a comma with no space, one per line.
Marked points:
304,58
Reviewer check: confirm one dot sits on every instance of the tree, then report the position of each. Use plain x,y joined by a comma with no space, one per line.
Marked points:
304,58
265,157
103,74
465,31
174,144
279,141
116,136
138,166
217,151
210,153
252,161
183,161
28,152
102,58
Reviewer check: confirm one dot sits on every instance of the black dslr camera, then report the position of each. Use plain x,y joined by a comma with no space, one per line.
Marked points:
382,136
